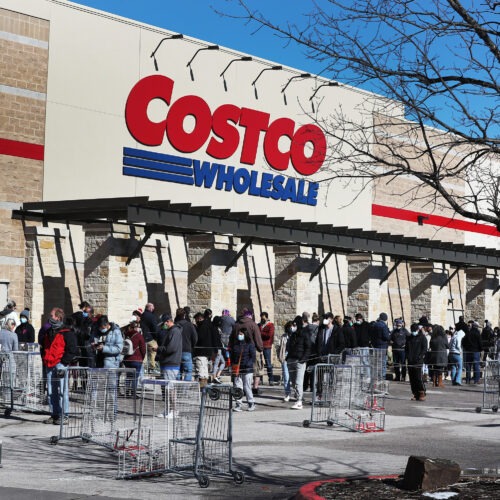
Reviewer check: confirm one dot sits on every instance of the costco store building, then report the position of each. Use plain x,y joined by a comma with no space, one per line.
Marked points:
193,178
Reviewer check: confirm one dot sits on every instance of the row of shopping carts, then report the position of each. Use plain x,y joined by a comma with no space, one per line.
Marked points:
491,386
165,427
349,390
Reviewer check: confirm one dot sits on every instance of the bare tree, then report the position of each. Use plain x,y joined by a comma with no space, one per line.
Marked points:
440,60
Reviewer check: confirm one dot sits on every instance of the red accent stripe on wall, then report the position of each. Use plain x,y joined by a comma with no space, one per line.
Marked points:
434,220
21,149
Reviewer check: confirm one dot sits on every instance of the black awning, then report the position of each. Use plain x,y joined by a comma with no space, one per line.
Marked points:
164,216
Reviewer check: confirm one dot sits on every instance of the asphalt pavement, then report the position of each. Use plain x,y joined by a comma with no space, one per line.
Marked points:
271,447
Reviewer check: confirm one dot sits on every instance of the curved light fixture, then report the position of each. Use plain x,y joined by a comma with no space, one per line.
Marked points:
259,75
177,36
302,75
244,58
329,84
188,65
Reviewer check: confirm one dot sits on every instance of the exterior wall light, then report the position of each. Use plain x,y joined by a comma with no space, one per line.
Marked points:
177,36
188,65
302,75
259,75
329,84
244,58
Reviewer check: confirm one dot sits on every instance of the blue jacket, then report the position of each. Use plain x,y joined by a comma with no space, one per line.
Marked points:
380,334
113,345
247,351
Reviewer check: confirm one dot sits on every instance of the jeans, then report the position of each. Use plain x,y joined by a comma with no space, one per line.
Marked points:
244,381
169,372
286,378
455,362
59,393
186,369
472,363
269,364
132,379
296,371
219,363
399,360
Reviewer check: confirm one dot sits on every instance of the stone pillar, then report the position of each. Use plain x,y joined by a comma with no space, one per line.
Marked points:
208,283
45,272
366,294
333,284
481,301
294,292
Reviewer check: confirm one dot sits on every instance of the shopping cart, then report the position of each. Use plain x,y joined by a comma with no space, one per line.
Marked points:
323,394
491,387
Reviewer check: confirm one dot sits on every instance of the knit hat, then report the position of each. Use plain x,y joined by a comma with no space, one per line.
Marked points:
26,313
383,316
138,312
423,321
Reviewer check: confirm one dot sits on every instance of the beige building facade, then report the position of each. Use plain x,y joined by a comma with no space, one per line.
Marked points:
92,119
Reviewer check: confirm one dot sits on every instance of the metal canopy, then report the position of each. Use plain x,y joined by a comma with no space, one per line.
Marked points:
184,218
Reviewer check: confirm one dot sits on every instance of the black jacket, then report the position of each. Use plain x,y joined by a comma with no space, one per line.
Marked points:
189,335
247,352
438,347
350,338
472,341
169,351
398,338
299,347
149,326
207,341
415,348
363,334
25,333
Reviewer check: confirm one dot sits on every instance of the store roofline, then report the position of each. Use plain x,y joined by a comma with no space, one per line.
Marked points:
164,216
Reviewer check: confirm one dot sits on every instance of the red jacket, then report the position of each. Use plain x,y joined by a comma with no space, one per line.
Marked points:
267,334
135,335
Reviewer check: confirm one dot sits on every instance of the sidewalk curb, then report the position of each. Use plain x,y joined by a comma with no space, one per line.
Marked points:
308,491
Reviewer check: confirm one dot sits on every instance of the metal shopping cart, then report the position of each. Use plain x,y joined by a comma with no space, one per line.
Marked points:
491,386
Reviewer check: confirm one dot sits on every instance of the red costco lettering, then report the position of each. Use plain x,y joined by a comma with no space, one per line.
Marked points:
221,129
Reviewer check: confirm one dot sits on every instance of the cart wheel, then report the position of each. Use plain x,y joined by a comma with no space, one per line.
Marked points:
204,481
494,409
236,392
8,412
54,440
478,409
306,423
329,423
213,393
238,477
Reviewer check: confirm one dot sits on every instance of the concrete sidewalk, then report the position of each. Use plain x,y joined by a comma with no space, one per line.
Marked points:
273,449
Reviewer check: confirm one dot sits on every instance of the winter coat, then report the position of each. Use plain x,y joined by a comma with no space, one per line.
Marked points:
282,350
207,342
350,338
138,343
472,341
380,334
363,334
149,326
487,338
267,334
226,325
398,338
169,351
8,341
438,351
111,354
415,348
248,353
253,331
63,349
299,347
189,335
25,333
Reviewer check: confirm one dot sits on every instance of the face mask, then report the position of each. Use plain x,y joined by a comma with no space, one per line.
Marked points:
241,337
103,330
24,320
326,322
133,319
358,322
414,333
85,314
293,329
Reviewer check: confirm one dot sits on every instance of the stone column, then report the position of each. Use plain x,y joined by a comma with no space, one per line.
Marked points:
45,272
209,285
294,292
482,299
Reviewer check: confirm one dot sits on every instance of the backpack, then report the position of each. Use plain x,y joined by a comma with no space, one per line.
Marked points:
128,346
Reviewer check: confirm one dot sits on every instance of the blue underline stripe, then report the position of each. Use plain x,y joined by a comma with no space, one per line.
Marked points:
160,176
149,155
154,165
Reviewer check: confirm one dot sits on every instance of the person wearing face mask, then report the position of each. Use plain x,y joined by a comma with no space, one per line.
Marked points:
109,344
135,360
415,349
325,331
362,328
60,350
242,357
349,334
25,331
82,321
398,342
290,328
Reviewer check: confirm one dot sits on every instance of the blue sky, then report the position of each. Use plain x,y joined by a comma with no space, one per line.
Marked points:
197,18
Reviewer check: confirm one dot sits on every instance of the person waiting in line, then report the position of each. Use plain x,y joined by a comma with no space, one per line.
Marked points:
362,328
438,358
311,327
426,328
471,345
136,358
149,327
85,330
205,346
25,331
349,336
299,348
219,362
415,349
189,339
398,342
169,350
487,339
9,312
290,329
109,344
267,333
243,354
323,337
8,339
455,360
227,325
